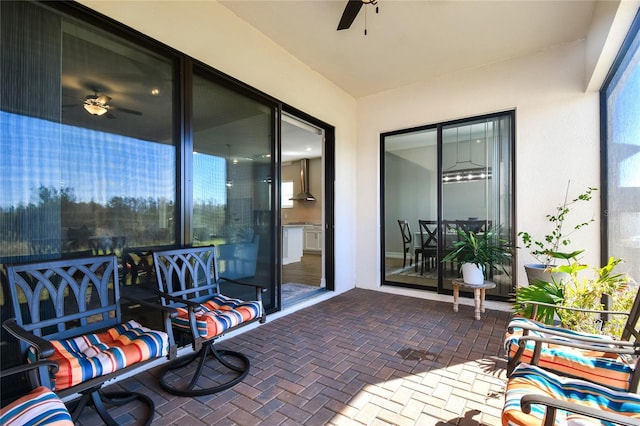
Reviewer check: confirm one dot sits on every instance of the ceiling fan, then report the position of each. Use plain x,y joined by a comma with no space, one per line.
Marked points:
99,105
351,10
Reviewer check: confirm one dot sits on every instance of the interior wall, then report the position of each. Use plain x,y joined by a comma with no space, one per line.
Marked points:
304,211
557,139
210,33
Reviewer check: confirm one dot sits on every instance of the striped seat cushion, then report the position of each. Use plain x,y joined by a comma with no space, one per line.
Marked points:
219,314
85,357
38,407
597,366
529,379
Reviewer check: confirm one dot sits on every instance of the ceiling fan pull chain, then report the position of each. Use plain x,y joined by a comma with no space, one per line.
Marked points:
365,20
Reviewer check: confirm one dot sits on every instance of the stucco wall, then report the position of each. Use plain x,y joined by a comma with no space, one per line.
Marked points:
557,139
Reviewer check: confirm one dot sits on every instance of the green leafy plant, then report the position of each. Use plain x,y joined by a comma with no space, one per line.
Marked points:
583,292
551,293
548,249
485,249
587,293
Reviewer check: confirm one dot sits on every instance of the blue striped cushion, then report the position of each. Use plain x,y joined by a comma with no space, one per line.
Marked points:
92,355
39,407
529,379
597,366
219,314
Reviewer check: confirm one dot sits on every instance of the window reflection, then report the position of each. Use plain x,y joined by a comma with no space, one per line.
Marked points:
89,159
232,139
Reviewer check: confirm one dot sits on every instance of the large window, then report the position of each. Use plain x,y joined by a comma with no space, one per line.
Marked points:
232,185
115,144
620,102
88,149
440,179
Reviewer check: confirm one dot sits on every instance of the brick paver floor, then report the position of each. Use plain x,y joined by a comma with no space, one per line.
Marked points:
360,358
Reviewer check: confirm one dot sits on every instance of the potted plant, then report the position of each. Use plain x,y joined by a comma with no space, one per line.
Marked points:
479,253
553,245
582,292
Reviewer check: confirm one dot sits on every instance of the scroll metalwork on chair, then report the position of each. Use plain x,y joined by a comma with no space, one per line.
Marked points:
68,312
188,282
597,358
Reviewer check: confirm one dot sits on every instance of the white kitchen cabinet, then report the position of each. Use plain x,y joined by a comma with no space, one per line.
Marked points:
292,241
313,238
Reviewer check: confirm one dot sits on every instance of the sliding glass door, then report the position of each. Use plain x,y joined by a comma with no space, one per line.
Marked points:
410,192
437,180
232,208
476,186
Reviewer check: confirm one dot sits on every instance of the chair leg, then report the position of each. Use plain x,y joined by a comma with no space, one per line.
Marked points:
97,398
208,351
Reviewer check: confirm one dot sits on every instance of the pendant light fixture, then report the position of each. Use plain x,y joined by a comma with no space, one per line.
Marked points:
465,169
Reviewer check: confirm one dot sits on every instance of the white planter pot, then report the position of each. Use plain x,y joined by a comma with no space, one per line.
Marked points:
472,274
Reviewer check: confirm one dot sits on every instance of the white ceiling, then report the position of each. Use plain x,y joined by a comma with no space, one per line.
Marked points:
412,40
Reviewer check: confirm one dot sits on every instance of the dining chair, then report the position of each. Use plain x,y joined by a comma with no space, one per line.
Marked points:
407,242
428,247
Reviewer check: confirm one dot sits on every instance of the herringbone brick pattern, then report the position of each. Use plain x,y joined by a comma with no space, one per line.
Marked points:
361,358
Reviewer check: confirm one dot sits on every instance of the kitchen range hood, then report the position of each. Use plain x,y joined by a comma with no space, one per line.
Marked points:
304,195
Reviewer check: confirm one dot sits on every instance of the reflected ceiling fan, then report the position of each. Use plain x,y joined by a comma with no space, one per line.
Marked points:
351,10
98,104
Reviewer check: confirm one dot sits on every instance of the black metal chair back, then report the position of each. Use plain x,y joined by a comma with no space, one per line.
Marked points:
64,298
428,248
186,275
407,241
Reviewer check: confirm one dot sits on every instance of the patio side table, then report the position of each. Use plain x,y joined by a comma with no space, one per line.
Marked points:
478,294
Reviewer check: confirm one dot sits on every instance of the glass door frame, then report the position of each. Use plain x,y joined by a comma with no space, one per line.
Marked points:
509,173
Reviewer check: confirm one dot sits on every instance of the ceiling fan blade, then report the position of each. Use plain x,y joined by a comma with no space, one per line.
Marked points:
349,14
128,111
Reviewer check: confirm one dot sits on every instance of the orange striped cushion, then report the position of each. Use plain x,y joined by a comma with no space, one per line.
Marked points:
219,314
92,355
528,379
38,407
601,367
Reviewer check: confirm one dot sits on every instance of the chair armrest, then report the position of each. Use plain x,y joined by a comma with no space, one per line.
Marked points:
634,350
51,366
43,346
555,404
171,311
195,306
260,287
561,332
569,308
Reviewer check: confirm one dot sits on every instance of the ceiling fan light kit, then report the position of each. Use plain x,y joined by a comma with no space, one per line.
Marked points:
94,109
99,105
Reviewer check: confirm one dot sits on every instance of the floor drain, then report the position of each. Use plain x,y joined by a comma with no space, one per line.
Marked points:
417,355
